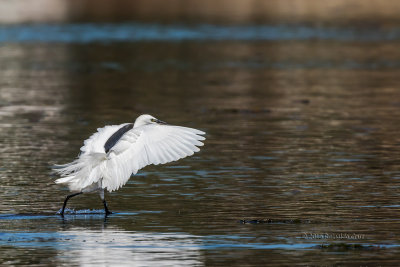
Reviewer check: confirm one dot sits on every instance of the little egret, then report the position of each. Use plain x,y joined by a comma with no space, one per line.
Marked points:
116,152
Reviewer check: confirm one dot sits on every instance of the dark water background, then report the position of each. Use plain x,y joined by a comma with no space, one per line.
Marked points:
302,129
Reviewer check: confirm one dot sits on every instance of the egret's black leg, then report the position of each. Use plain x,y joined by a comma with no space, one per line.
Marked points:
107,211
66,200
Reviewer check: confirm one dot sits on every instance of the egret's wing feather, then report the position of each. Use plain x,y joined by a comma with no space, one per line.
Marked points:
95,143
90,166
145,145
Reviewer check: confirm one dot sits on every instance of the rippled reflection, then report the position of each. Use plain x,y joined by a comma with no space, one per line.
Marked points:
115,247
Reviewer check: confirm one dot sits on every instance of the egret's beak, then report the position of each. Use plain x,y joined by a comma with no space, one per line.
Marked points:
161,122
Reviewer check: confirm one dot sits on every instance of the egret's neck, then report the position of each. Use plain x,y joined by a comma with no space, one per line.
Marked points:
138,123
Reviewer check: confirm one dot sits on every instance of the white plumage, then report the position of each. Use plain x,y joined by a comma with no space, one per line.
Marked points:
148,141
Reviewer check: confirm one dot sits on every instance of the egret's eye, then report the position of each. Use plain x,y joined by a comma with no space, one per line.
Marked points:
153,120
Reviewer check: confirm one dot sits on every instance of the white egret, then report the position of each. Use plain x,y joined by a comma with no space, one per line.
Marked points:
116,152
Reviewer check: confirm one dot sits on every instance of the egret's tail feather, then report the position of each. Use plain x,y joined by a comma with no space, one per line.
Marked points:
64,180
82,172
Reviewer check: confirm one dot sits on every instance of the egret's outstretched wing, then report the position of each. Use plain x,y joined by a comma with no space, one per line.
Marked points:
145,145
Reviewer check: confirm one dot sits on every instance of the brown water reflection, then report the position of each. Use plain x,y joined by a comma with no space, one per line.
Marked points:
296,130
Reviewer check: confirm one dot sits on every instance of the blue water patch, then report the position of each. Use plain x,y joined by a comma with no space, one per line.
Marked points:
371,206
25,216
148,241
138,32
28,239
347,160
263,158
86,213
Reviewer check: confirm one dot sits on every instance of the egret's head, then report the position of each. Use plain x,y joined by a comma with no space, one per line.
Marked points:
147,119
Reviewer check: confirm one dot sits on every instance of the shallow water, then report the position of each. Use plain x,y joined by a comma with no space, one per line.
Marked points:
300,163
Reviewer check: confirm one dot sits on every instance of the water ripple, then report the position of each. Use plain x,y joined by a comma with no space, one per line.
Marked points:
137,32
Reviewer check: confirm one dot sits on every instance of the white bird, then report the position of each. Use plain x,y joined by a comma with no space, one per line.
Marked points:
114,153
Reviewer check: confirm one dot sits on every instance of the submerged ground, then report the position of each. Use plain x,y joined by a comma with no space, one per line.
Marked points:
300,163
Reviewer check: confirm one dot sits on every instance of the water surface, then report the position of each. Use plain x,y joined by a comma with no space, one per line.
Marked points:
302,135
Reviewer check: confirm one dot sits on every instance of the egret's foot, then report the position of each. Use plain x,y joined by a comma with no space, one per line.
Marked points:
61,213
66,200
106,210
